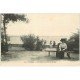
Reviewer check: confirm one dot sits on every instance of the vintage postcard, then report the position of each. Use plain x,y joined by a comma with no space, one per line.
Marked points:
40,39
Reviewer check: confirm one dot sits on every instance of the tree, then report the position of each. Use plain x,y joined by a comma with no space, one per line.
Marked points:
39,44
73,42
31,42
6,19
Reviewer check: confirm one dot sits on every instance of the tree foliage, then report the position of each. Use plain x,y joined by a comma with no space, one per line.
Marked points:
6,19
13,17
31,42
73,42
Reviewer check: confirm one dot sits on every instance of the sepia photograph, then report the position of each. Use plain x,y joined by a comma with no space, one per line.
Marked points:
40,38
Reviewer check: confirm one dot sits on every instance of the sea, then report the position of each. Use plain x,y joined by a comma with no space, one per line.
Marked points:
17,39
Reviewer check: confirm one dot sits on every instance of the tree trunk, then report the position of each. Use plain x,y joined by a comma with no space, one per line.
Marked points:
5,46
5,35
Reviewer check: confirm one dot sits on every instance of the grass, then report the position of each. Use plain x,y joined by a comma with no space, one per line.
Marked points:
35,56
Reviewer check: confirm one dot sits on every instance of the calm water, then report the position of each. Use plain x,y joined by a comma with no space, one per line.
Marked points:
17,39
52,38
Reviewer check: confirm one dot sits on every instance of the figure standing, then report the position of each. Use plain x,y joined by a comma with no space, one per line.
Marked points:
51,45
54,43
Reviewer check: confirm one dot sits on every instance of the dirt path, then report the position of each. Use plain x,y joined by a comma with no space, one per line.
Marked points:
34,56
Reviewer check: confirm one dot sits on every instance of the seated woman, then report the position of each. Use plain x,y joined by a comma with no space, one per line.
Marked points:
62,48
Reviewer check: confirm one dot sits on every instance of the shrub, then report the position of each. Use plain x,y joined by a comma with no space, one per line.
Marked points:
31,42
73,42
4,45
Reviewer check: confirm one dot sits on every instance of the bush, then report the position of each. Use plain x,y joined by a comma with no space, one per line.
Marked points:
73,42
4,45
39,44
31,42
4,48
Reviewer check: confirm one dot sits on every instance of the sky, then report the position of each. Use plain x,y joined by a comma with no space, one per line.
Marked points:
46,24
